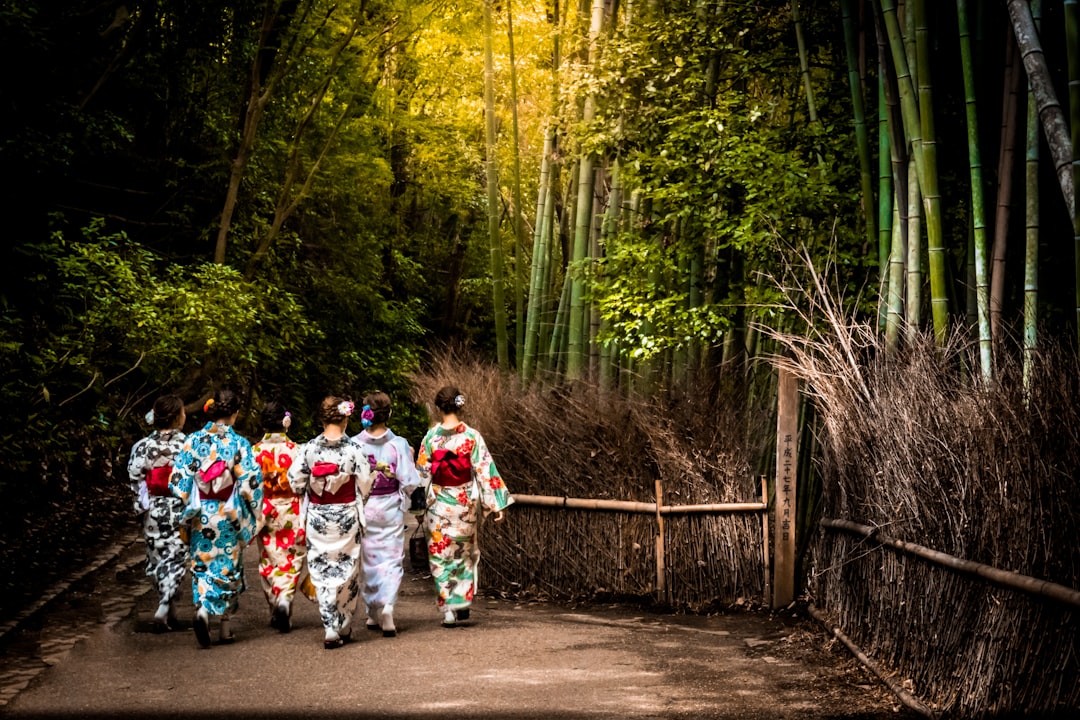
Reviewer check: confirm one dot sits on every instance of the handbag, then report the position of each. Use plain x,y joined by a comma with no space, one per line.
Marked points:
418,552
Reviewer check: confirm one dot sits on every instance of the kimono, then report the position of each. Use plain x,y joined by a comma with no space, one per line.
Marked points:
390,459
283,545
220,484
460,474
333,475
149,468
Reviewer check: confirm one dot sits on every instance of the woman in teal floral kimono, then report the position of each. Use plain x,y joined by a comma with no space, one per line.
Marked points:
220,483
460,474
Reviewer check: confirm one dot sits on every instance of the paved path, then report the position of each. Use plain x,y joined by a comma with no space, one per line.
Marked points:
91,654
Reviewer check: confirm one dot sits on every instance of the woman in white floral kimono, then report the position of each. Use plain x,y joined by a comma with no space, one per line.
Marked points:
333,474
459,471
149,468
390,459
220,483
282,543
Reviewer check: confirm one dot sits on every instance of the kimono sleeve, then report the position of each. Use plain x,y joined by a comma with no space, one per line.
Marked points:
423,460
300,471
182,479
407,475
248,477
493,493
137,475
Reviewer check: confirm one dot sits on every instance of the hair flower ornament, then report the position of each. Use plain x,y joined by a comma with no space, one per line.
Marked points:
150,417
346,407
367,416
286,420
207,405
459,401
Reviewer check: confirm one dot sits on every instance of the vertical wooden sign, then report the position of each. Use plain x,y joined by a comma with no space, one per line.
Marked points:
787,446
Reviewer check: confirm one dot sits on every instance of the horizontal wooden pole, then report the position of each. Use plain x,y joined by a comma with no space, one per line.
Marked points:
635,507
1005,578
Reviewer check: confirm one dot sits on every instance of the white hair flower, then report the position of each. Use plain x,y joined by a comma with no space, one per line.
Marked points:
150,417
346,407
459,401
286,421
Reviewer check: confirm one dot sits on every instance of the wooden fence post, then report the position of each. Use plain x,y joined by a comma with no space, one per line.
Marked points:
660,570
787,447
765,538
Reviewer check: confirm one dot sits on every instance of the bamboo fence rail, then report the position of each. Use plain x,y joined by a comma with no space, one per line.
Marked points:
635,507
1005,578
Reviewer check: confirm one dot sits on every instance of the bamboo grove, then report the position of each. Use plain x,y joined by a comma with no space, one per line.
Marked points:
687,147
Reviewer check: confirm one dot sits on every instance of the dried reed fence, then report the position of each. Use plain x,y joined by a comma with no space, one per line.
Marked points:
585,444
915,447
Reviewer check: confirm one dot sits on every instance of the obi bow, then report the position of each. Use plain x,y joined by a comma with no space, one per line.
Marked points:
322,469
449,469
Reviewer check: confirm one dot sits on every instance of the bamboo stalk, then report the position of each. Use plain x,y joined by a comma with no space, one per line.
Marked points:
982,292
862,138
1005,578
905,697
634,507
1072,44
1031,207
1004,194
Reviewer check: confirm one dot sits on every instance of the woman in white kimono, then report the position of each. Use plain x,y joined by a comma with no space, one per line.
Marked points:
390,460
220,484
149,468
333,474
459,471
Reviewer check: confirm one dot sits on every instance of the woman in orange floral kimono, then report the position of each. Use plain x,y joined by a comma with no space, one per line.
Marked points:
460,474
283,546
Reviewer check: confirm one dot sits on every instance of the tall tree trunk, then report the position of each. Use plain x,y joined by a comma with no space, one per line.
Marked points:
1009,112
497,271
1050,112
803,61
266,71
576,333
978,213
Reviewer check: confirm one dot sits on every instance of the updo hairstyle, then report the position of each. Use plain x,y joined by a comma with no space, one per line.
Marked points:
379,402
449,400
226,401
273,417
330,412
166,409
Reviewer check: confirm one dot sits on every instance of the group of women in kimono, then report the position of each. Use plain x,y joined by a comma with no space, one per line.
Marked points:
329,514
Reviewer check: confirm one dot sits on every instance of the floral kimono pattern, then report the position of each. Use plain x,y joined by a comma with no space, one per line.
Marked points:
333,474
282,541
453,553
220,484
149,469
390,460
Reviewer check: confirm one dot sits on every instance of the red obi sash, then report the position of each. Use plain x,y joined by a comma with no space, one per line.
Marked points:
450,469
345,494
157,481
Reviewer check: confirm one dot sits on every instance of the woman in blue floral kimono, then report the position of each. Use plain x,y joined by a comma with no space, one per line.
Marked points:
149,468
390,459
332,473
459,471
219,481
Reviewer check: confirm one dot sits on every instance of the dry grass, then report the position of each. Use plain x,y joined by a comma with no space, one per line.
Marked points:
583,443
912,444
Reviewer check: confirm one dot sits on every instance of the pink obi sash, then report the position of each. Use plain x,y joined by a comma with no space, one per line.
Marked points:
450,469
211,490
157,481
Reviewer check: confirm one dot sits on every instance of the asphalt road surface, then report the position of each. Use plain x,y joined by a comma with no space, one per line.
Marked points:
91,654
